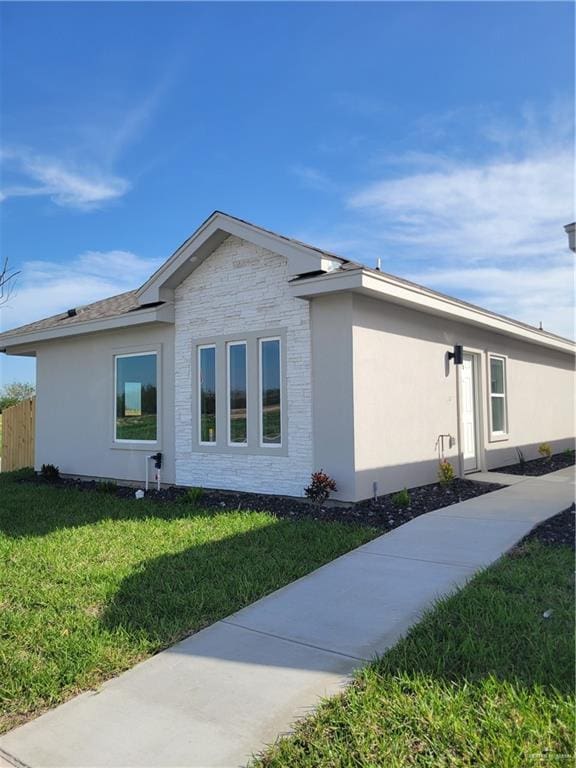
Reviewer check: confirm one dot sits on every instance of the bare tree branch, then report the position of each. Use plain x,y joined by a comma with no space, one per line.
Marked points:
7,282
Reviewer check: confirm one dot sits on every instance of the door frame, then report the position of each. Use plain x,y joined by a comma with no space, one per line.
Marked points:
477,356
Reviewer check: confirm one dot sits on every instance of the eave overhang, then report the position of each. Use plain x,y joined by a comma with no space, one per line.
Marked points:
386,288
25,343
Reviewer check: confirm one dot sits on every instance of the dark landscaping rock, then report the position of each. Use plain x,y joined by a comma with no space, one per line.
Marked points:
537,467
380,513
558,530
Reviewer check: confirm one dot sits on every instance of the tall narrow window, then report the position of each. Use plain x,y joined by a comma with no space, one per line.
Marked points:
237,424
207,389
498,409
136,398
270,393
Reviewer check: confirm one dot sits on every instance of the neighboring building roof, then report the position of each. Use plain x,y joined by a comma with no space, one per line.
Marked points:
570,230
312,271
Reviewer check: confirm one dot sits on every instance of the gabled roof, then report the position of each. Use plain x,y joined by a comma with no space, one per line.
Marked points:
302,258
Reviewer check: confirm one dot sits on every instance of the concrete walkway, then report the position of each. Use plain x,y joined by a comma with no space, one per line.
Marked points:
224,693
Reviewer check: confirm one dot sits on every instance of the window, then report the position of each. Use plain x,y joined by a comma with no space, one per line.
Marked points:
237,387
207,389
239,393
498,410
270,393
136,398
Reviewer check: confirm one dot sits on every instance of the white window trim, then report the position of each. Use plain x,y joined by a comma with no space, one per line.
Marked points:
229,346
498,434
210,444
262,444
120,440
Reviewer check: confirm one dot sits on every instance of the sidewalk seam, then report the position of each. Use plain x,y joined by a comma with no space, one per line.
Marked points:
294,642
422,560
472,517
12,759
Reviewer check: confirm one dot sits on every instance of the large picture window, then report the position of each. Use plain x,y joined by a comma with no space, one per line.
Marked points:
136,398
207,389
270,393
237,390
498,407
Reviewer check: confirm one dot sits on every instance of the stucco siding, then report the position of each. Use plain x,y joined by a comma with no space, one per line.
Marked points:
75,404
242,288
332,390
405,395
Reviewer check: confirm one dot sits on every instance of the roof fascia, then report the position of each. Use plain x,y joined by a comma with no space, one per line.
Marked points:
162,314
386,288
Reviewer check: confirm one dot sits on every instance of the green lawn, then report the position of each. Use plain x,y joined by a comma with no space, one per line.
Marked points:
484,680
91,584
136,427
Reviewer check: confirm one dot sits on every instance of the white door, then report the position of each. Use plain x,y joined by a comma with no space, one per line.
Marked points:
468,413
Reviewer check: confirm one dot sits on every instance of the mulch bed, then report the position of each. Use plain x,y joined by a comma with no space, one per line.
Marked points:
537,467
558,530
381,513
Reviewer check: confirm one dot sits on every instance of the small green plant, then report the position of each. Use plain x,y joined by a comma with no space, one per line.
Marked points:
545,450
320,488
445,473
50,472
401,500
107,486
193,496
569,453
521,458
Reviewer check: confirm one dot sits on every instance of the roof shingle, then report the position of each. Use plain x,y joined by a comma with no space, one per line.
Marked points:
98,310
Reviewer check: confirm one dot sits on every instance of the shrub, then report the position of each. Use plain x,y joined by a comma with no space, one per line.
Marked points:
569,453
321,486
106,486
545,450
401,500
50,472
193,496
445,472
23,474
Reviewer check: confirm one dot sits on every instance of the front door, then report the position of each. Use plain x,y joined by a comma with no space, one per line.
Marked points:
468,413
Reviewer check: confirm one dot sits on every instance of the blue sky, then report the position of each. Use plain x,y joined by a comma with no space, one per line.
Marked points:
437,136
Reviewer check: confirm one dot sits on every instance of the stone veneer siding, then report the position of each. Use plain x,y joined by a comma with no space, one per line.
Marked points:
242,288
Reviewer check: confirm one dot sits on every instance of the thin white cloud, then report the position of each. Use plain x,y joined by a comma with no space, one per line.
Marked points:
496,210
479,215
488,230
83,189
46,288
131,123
83,175
311,177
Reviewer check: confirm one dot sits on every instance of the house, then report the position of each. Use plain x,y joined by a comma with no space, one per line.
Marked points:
249,360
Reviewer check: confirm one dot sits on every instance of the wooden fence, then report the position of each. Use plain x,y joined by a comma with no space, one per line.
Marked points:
18,435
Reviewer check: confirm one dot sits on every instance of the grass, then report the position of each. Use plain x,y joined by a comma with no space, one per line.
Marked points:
136,427
90,584
483,680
